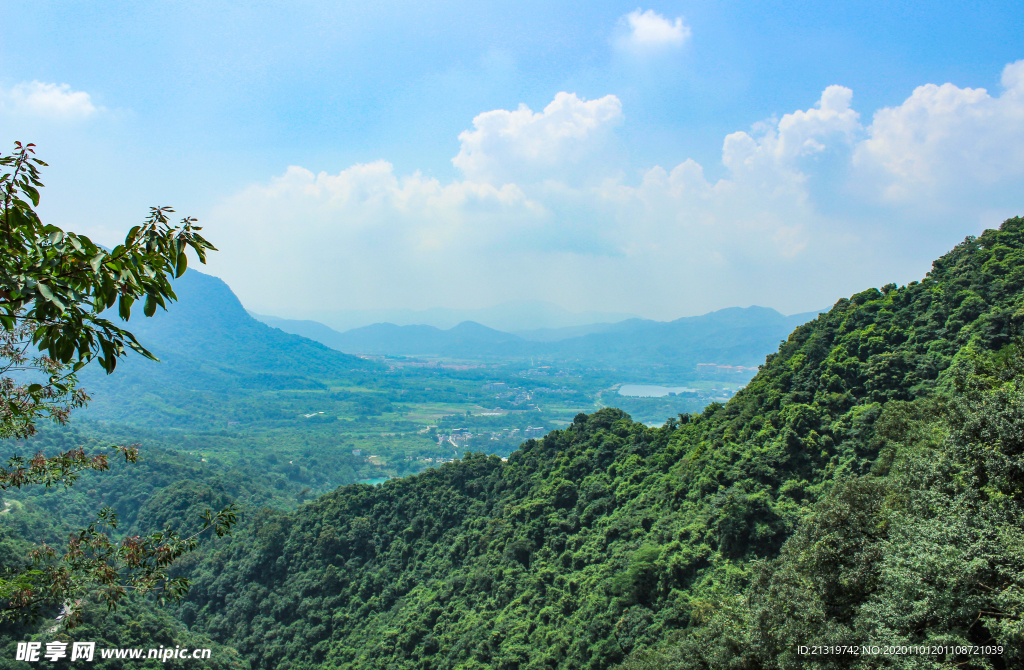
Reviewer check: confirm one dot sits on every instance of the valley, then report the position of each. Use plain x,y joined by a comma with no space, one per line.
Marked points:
232,390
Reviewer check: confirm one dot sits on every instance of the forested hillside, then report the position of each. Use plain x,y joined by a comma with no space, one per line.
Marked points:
166,489
875,461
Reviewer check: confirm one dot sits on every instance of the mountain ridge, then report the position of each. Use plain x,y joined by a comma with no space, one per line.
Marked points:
752,332
206,341
507,316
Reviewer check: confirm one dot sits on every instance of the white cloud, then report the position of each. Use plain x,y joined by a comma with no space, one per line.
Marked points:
650,30
50,101
774,157
523,145
366,231
1013,79
781,228
944,140
366,236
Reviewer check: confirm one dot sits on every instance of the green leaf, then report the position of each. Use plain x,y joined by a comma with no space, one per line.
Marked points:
124,306
50,296
32,193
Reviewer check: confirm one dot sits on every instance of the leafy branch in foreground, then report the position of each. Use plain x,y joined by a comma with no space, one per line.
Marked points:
95,565
62,469
54,286
60,282
22,402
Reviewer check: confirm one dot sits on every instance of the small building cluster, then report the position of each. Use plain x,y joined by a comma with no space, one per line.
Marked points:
461,436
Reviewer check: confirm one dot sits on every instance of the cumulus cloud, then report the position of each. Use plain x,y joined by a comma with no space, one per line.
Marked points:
365,231
518,225
50,101
650,30
773,157
944,140
521,223
523,145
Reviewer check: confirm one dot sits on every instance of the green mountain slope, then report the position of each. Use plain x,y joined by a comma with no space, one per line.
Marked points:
209,326
208,343
610,541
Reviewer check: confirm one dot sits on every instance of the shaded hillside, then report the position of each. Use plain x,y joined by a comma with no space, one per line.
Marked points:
311,330
209,325
608,538
207,341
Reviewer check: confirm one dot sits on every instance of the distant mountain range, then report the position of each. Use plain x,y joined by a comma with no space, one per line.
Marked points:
513,316
466,339
734,336
420,334
208,340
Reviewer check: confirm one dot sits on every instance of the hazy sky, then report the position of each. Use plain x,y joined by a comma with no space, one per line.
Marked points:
663,160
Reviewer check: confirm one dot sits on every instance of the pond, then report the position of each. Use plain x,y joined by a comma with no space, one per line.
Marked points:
647,391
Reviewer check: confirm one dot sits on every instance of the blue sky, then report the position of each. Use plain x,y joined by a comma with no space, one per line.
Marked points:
674,158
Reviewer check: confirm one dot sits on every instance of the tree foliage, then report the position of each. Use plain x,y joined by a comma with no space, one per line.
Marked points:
61,282
54,288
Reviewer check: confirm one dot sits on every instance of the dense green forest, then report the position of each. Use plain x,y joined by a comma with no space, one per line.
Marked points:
864,488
